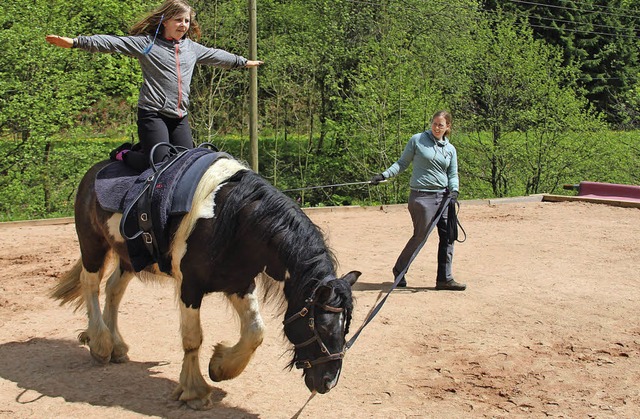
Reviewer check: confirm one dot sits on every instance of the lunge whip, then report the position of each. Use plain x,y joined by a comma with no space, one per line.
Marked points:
331,186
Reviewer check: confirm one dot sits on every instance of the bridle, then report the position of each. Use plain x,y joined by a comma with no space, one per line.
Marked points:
309,309
311,303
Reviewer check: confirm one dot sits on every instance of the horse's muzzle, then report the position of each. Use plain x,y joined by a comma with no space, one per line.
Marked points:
321,381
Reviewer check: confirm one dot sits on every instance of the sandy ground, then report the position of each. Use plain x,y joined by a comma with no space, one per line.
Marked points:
549,326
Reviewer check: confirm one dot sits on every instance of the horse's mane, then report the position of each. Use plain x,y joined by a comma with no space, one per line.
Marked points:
248,202
278,220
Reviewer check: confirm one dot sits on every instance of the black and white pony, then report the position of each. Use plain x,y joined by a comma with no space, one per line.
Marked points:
239,229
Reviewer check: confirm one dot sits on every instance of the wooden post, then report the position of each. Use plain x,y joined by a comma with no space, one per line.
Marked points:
253,87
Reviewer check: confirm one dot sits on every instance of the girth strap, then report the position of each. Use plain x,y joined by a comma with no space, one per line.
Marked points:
143,204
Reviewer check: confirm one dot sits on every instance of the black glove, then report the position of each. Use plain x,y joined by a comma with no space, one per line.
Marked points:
453,195
376,179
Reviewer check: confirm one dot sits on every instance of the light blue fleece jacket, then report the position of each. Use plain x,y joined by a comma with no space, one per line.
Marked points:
167,69
435,164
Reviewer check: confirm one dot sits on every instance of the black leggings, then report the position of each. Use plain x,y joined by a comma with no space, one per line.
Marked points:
155,128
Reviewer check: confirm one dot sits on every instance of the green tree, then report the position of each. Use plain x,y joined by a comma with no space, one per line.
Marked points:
45,90
597,37
518,98
217,101
412,70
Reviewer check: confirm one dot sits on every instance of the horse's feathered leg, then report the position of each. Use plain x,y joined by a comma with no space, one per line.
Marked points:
228,362
193,389
114,291
97,335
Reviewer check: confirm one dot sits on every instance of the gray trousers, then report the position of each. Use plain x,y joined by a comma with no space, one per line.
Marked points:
423,207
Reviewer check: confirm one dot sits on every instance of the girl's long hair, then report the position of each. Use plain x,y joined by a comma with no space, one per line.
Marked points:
168,9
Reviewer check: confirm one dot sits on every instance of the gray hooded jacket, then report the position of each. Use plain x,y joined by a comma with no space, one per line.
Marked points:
435,164
167,69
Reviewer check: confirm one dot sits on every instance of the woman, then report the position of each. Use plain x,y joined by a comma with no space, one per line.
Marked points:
434,176
162,43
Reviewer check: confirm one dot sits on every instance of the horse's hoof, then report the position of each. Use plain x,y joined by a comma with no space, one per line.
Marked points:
102,360
83,338
215,373
119,353
175,394
200,404
227,363
120,359
195,404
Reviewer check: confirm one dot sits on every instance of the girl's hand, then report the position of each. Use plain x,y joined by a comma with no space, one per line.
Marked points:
59,41
251,63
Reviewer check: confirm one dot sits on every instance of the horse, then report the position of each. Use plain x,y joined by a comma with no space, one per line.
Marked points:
240,229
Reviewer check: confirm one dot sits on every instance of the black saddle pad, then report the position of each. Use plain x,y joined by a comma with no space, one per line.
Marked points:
117,183
113,182
119,187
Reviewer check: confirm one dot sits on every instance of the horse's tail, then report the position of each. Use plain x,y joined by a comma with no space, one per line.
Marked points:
69,287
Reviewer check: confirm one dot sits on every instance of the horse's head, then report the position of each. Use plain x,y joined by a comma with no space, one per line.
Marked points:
318,330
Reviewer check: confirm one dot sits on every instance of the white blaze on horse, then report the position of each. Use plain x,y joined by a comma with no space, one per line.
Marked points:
239,229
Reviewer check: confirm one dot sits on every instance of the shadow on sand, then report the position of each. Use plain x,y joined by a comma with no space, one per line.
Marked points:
62,368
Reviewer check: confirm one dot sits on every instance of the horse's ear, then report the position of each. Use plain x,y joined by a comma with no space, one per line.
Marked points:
352,277
324,293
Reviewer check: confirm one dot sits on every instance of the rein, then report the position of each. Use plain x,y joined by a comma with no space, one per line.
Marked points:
443,207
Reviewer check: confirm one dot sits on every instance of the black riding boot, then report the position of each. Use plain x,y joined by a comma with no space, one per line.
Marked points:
444,279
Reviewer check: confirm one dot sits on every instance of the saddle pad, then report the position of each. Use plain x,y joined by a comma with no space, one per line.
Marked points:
118,188
117,183
112,184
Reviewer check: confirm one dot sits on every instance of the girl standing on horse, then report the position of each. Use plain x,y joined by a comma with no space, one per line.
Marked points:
163,42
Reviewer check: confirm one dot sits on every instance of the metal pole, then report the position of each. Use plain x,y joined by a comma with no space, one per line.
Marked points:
253,86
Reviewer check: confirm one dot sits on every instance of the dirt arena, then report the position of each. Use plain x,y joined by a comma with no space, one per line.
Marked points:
548,326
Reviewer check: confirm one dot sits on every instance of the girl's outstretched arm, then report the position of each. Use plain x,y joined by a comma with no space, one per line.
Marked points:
60,41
